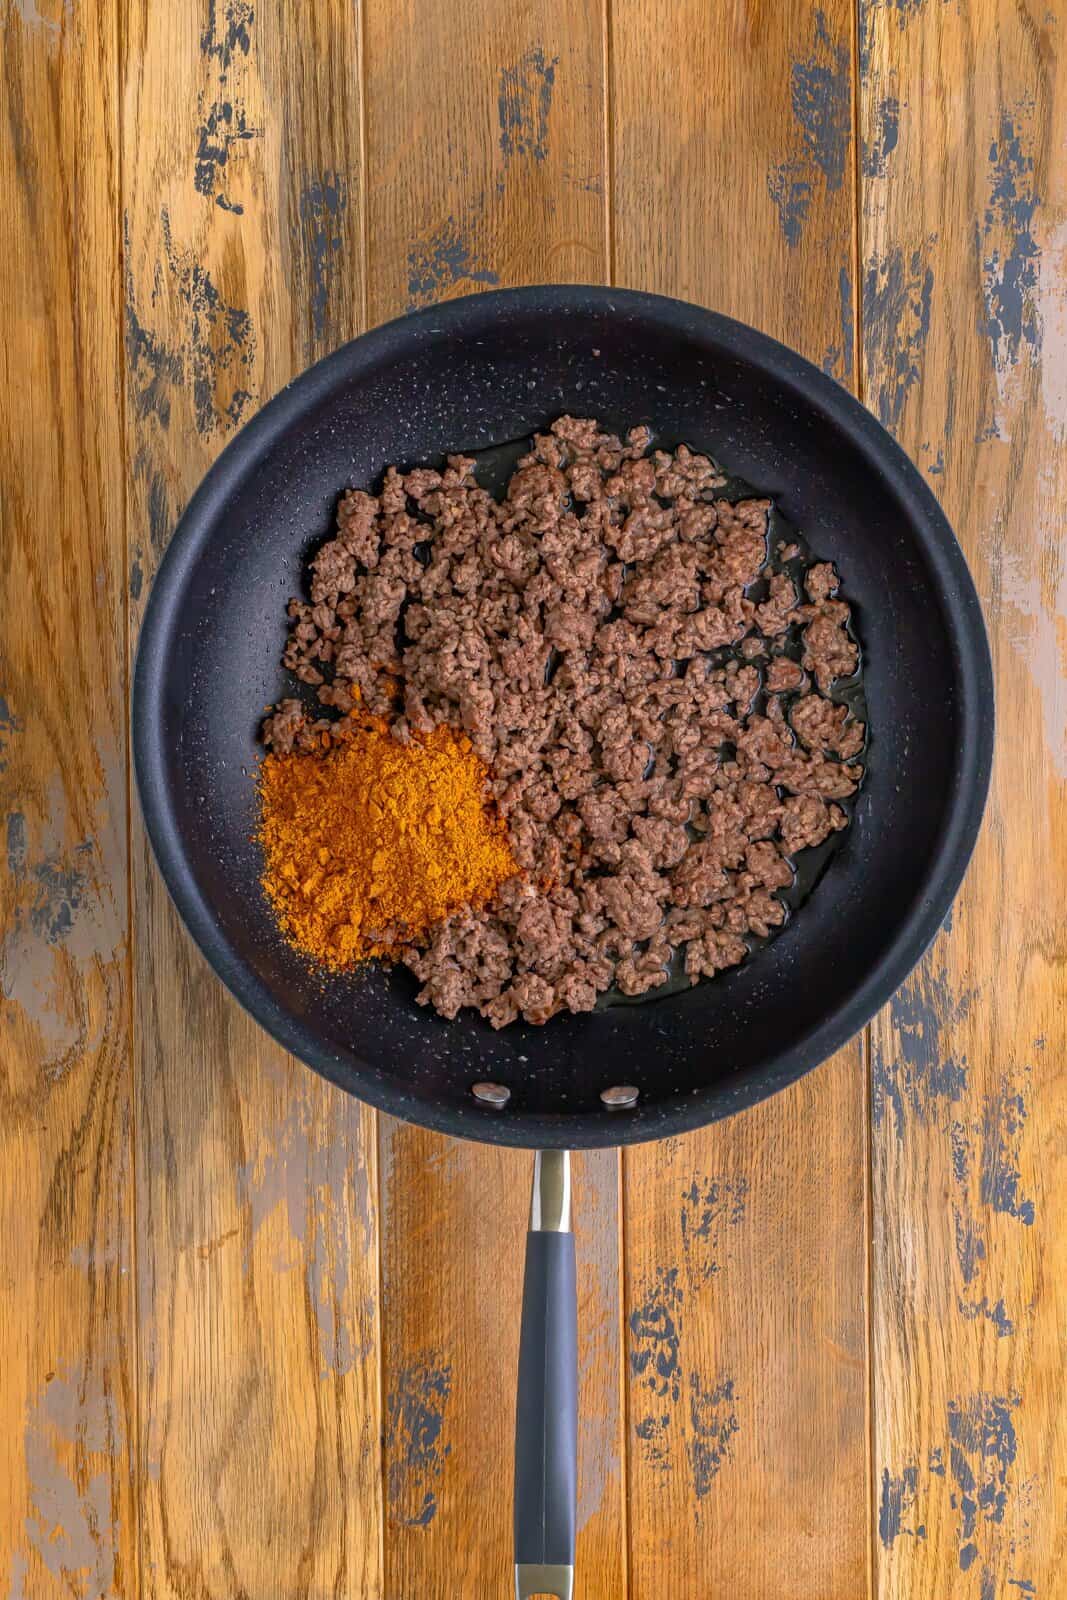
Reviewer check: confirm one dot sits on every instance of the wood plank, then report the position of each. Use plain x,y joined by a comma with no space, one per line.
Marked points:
68,1517
454,1220
492,172
489,172
256,1183
745,1247
965,352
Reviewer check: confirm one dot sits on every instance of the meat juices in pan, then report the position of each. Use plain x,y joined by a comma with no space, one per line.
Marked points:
651,688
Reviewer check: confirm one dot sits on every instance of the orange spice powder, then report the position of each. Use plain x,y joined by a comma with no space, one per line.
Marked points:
369,842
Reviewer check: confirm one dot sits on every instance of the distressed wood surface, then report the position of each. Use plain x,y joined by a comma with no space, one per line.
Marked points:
496,177
256,1341
68,1370
964,320
257,1245
745,1248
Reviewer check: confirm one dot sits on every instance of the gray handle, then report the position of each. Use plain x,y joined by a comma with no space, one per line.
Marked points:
546,1422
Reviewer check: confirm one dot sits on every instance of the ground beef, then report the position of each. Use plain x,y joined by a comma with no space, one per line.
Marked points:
820,725
636,669
783,674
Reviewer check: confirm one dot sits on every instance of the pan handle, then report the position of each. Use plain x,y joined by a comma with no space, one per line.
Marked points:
546,1421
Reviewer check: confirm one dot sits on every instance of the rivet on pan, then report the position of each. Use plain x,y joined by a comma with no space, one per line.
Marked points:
493,1094
623,1095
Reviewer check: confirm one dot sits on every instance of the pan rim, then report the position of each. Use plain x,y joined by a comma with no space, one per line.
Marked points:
964,809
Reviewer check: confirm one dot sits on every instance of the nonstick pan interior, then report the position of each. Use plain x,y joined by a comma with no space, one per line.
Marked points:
463,377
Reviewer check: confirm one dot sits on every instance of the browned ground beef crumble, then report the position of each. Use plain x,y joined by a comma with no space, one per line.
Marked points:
661,742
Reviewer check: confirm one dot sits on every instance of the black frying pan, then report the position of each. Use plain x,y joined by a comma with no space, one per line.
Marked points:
465,376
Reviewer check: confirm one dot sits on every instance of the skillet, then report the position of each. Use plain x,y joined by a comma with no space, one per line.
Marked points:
466,376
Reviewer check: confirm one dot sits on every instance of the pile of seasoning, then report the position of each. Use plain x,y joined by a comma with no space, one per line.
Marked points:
369,842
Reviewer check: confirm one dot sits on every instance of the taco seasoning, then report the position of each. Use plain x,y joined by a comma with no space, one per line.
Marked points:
369,842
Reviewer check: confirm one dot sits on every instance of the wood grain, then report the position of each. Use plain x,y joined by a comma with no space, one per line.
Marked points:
259,1467
490,172
200,1393
965,356
68,1372
745,1247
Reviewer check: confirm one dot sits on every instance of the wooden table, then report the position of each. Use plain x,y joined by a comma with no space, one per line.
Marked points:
256,1341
